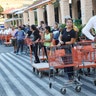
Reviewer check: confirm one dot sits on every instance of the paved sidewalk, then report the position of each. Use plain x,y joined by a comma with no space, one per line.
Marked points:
4,49
17,78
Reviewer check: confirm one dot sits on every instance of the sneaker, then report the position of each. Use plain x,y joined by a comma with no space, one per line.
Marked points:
17,53
14,51
21,53
70,81
36,61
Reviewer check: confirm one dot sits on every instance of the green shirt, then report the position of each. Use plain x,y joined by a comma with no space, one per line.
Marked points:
47,37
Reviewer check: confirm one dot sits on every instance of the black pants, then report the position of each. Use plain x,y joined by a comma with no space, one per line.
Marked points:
45,51
34,47
20,44
69,70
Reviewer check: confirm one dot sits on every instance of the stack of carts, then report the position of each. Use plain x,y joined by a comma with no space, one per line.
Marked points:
2,38
27,47
7,40
81,57
87,68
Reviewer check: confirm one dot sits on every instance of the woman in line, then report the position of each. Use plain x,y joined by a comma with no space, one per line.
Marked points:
35,37
67,37
56,34
47,39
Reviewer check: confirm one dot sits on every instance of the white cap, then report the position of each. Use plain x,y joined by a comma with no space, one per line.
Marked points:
66,17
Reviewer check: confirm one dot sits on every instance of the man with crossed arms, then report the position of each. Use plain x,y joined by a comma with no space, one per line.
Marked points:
86,30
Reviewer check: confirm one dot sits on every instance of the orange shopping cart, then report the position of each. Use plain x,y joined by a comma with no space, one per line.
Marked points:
7,39
28,50
1,38
88,58
58,58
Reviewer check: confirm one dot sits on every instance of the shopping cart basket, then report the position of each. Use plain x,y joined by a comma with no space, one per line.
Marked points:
58,58
88,57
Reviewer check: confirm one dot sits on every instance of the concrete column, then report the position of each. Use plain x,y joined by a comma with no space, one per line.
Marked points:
16,23
50,14
74,9
10,23
5,16
64,7
25,18
31,17
19,20
12,15
40,15
86,10
94,6
60,20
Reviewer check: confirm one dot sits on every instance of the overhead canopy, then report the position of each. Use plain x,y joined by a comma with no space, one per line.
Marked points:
8,11
37,3
13,10
12,19
19,12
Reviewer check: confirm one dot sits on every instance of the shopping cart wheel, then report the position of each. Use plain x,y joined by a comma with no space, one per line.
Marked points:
95,82
37,72
63,90
78,88
79,78
40,74
50,85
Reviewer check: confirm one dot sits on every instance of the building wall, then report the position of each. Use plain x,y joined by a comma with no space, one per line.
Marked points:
86,9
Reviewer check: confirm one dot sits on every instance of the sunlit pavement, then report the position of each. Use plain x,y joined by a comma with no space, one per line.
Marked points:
18,79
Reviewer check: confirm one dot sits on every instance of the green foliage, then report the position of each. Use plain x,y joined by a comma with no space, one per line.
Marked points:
62,26
77,22
56,4
1,9
79,25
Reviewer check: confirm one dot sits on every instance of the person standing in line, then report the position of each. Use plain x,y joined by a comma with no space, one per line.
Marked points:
35,37
13,38
47,39
41,29
20,39
67,38
56,34
42,26
86,30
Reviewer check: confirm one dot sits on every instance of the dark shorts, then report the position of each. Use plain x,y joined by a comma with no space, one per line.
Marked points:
14,42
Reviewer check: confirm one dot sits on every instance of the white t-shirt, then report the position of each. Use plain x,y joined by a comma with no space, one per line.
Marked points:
2,32
91,24
7,31
12,32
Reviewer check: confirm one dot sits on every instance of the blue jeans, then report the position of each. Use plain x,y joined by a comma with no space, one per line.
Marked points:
20,44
